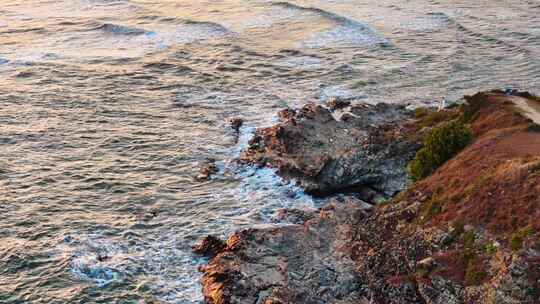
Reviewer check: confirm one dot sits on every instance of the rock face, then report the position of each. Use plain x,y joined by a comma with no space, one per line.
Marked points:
347,254
308,263
327,151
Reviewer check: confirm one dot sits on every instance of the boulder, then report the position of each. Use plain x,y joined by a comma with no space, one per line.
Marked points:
326,151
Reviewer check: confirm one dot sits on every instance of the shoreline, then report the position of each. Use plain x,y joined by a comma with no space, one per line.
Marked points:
464,233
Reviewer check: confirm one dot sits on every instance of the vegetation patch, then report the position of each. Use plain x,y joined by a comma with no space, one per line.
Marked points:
440,145
517,238
465,264
420,112
474,274
430,209
490,248
430,118
533,128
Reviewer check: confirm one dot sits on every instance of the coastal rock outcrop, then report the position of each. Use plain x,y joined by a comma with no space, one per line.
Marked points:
468,233
348,148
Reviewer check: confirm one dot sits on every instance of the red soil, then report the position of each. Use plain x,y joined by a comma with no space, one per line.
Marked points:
495,182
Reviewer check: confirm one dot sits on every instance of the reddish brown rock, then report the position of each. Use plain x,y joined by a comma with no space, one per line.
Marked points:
210,246
207,170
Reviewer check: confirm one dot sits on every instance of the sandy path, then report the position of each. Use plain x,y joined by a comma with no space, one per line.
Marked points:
529,108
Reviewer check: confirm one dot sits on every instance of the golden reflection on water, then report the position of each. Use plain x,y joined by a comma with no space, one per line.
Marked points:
108,108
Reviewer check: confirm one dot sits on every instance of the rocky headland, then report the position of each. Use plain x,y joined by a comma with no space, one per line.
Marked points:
441,207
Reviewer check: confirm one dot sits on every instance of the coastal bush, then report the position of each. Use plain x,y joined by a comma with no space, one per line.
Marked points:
471,260
440,145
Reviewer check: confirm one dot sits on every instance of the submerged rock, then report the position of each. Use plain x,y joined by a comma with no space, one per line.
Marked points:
327,152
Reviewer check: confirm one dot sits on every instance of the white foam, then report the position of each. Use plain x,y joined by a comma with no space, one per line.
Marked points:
271,192
166,265
96,259
339,91
343,35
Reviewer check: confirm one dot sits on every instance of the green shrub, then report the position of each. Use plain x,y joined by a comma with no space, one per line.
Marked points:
516,242
440,145
468,239
490,248
430,119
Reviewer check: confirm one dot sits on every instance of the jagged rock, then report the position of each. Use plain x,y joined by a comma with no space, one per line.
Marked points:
308,263
427,263
364,147
209,246
439,291
207,170
337,103
236,123
295,216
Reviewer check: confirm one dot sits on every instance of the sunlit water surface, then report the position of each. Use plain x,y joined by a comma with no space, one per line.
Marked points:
108,107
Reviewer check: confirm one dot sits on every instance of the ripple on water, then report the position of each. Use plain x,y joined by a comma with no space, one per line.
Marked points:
271,16
344,31
118,40
430,22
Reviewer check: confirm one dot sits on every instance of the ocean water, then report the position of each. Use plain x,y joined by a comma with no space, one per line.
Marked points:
108,108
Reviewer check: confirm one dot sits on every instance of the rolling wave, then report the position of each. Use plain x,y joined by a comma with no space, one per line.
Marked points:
340,20
346,31
120,29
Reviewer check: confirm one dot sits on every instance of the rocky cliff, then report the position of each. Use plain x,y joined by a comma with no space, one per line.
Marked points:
468,232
